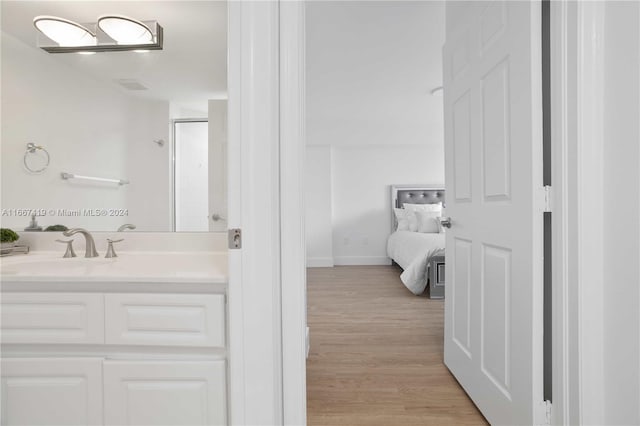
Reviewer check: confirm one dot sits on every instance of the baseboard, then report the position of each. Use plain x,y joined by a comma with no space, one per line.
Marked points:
319,262
361,260
308,342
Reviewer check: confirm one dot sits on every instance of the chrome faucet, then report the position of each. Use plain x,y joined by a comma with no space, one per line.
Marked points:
126,226
90,250
110,251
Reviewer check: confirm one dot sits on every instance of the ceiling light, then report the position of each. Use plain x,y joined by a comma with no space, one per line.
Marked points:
125,30
64,32
437,91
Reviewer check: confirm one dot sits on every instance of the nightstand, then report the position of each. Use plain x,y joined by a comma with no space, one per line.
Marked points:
436,277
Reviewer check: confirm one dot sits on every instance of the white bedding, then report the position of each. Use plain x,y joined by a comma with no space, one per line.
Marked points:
412,251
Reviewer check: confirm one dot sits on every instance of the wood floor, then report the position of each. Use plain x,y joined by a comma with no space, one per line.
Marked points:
376,353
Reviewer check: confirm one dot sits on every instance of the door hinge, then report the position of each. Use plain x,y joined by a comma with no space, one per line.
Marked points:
545,413
235,239
548,197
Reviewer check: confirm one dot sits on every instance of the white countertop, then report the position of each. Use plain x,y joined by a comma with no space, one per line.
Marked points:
141,267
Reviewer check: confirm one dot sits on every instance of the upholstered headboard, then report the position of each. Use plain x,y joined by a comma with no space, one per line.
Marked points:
414,194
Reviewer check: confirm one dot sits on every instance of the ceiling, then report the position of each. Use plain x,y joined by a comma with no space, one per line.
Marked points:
192,66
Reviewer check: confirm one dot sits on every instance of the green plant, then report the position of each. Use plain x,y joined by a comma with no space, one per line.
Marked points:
8,236
56,228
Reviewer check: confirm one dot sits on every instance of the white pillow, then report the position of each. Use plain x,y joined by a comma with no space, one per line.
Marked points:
428,222
402,223
407,220
423,207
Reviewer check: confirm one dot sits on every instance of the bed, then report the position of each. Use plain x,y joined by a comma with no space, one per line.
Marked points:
419,254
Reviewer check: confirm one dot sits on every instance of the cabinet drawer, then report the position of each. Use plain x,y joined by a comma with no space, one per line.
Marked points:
165,319
52,318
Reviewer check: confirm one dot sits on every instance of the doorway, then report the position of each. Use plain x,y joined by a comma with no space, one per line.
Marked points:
190,175
374,125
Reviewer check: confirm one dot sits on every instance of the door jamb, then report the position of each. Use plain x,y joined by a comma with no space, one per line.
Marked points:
254,290
267,288
577,123
292,234
577,84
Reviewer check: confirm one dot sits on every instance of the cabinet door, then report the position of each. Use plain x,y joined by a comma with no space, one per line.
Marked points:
164,393
45,391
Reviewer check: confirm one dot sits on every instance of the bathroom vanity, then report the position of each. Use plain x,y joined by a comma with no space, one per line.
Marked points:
140,339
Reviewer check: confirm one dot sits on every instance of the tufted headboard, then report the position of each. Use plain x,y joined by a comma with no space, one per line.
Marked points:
414,194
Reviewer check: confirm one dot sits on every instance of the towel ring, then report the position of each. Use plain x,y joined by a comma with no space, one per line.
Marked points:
32,149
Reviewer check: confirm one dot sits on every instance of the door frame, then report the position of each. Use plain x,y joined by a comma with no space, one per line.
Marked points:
266,151
271,34
577,83
254,292
292,211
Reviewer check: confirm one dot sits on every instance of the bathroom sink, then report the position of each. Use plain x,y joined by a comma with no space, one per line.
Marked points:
38,265
128,266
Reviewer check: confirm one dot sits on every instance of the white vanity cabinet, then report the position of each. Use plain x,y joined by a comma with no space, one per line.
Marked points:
113,358
165,319
164,393
52,318
52,391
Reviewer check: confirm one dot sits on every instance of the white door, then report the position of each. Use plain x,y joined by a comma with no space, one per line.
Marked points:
191,148
493,121
164,393
47,392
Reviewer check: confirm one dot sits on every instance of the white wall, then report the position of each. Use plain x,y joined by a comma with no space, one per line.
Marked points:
621,199
186,110
318,206
89,128
148,166
370,68
218,167
361,210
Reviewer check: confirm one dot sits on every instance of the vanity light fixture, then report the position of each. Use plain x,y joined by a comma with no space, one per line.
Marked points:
112,33
64,32
125,30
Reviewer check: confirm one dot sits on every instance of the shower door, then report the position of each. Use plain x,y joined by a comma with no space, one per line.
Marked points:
191,175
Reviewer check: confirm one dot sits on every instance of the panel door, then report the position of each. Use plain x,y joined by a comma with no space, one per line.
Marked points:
493,140
157,393
48,392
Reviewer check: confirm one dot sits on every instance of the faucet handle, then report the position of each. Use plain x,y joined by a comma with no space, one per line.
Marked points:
69,252
110,251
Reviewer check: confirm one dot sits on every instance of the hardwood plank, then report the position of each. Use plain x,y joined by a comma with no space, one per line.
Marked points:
376,353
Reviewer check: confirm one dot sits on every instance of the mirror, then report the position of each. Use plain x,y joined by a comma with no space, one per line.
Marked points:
117,137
